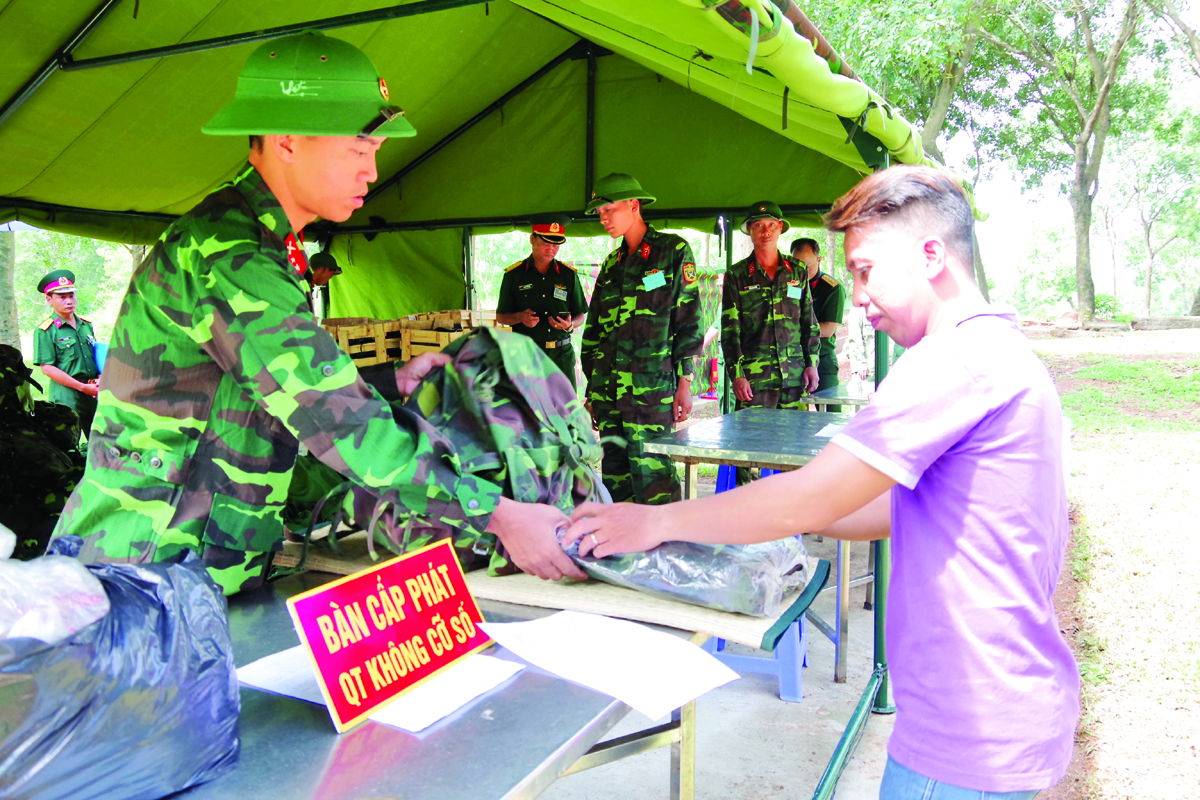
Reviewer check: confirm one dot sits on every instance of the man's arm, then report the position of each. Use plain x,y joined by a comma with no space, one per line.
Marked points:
731,336
828,329
821,496
590,341
58,376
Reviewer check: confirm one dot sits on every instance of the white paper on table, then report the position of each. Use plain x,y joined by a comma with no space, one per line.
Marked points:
829,431
291,673
650,671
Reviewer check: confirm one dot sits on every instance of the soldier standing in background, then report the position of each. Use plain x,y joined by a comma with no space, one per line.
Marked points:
542,298
829,301
643,328
769,336
323,268
63,347
218,370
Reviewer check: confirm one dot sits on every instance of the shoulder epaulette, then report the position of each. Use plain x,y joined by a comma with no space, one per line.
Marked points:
832,281
568,266
514,266
84,319
45,326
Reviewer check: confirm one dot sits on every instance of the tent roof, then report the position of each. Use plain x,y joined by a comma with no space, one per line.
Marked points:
115,151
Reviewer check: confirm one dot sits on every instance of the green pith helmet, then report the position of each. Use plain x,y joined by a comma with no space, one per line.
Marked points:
309,85
617,186
324,260
764,209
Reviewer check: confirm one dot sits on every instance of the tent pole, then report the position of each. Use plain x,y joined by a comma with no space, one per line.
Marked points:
589,164
54,62
726,386
201,45
469,268
471,123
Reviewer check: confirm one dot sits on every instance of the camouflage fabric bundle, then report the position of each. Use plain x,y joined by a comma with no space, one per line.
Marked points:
514,420
41,463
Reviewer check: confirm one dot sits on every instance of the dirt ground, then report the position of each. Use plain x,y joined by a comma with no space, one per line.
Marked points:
1128,600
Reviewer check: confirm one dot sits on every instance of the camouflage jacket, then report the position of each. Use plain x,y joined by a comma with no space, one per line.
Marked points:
642,329
768,331
215,370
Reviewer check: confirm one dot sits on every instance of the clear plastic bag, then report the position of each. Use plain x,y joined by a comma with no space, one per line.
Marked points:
747,579
48,598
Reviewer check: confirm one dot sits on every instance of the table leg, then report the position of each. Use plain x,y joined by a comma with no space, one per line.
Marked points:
842,621
691,480
683,754
869,600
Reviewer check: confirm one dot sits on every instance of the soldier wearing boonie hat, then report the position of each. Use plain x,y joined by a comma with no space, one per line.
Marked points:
63,345
542,298
224,371
769,336
643,328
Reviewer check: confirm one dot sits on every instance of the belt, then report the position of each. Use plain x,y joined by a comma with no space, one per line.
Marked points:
559,343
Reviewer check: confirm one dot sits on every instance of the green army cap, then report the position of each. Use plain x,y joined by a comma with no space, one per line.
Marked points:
310,84
764,209
617,186
324,260
551,227
60,280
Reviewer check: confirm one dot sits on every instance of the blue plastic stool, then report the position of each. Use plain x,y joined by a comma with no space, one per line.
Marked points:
727,477
790,658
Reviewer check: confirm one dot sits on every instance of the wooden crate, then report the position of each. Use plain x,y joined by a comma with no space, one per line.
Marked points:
415,341
460,317
368,341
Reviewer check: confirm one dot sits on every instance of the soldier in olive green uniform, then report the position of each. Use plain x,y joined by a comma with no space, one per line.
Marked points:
768,332
62,346
542,298
217,370
643,329
829,301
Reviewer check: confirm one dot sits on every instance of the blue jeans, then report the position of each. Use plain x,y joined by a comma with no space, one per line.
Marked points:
901,783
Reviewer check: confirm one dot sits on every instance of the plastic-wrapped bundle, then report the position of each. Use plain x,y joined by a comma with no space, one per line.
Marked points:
748,579
138,705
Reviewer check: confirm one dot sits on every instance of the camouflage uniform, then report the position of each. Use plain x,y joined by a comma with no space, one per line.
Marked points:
215,370
769,334
70,349
555,294
642,332
41,463
829,303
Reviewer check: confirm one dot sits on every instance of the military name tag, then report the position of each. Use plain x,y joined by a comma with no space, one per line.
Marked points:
654,280
560,293
795,292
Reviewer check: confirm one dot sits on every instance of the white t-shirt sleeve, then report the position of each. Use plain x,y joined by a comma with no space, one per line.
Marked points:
927,404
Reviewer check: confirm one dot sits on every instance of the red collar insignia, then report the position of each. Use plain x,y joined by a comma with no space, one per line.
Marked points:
296,254
753,266
645,253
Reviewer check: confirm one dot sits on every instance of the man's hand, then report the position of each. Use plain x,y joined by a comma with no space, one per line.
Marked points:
863,372
529,534
562,323
742,390
605,529
412,373
683,400
529,318
812,379
90,388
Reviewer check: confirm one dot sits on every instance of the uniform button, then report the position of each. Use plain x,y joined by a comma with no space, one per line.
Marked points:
327,370
473,504
135,456
114,452
155,462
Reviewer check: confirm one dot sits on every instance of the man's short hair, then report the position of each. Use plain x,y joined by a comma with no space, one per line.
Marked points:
919,197
256,142
799,243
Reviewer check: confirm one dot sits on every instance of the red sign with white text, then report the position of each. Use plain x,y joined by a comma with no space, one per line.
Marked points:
377,634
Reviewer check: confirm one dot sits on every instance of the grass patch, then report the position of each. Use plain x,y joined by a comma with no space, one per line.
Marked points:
1109,395
1095,669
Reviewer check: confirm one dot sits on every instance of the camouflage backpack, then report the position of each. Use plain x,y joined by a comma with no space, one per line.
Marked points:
514,420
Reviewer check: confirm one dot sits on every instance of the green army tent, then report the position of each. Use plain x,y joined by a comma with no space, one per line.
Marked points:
519,105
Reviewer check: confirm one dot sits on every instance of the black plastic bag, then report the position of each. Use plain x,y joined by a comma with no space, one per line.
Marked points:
140,704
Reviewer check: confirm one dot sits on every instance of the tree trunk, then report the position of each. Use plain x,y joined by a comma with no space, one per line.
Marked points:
980,276
1195,312
947,88
1149,266
1081,206
10,331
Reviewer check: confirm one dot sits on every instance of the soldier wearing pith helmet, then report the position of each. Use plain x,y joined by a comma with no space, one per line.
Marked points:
542,298
63,345
643,329
223,370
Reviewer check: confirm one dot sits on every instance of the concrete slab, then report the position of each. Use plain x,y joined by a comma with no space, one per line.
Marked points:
750,744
